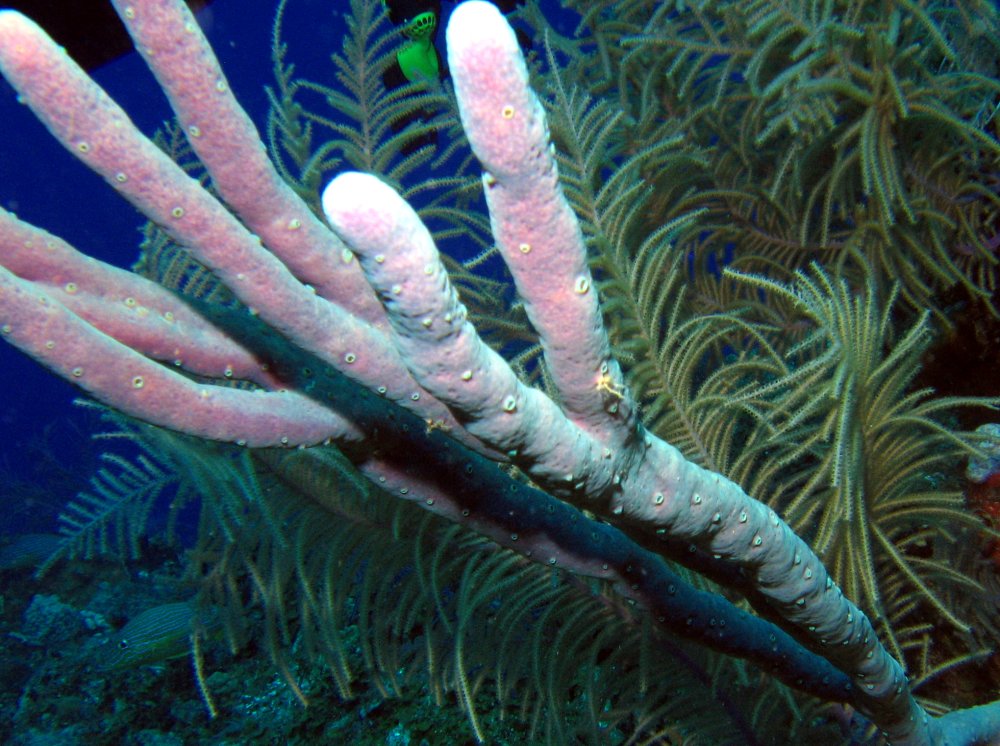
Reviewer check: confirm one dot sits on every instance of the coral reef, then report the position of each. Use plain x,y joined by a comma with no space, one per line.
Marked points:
797,387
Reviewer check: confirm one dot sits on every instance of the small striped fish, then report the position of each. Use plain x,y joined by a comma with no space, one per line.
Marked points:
152,636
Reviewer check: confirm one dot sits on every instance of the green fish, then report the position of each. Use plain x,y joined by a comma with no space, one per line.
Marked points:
154,636
29,550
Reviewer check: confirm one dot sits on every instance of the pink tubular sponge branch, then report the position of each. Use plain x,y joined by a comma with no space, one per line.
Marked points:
591,451
96,130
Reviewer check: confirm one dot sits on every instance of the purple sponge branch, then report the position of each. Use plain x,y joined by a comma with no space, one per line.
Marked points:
96,130
135,311
47,330
227,143
616,470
